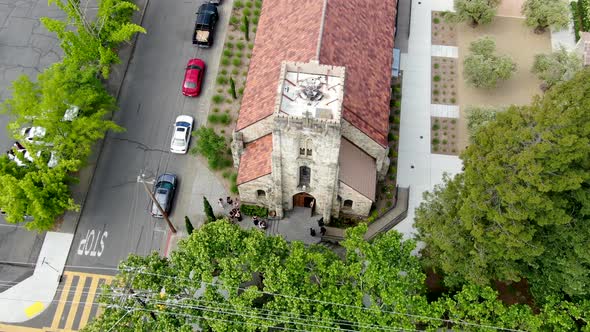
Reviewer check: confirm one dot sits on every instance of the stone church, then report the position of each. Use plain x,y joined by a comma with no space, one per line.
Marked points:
313,124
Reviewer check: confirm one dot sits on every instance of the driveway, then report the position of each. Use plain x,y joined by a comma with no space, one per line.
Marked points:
115,221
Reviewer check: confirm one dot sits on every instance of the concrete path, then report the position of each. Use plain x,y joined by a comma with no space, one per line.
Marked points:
417,167
30,297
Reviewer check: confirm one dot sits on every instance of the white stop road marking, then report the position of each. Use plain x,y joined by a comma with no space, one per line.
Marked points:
87,246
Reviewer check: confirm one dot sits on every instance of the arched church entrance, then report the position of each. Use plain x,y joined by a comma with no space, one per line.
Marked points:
304,200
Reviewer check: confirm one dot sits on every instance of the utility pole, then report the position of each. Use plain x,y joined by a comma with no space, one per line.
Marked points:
153,198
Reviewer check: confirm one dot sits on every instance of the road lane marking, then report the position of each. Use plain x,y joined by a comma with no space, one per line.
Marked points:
34,309
76,302
62,301
89,303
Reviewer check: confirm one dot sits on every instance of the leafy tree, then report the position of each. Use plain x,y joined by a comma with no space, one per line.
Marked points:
188,225
521,207
211,146
208,210
475,12
92,43
557,67
482,68
541,14
478,116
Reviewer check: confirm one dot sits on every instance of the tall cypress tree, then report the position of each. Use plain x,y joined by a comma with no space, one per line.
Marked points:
188,225
208,210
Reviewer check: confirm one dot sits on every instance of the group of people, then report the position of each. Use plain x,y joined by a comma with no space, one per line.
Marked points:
260,223
234,206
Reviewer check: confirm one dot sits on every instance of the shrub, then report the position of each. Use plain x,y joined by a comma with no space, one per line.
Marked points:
392,177
398,103
391,118
435,141
218,99
225,119
237,62
453,101
255,20
249,55
241,91
254,210
256,12
223,71
444,141
390,137
436,66
226,174
240,45
212,147
435,92
234,20
250,45
238,4
225,61
258,3
221,80
213,118
435,148
249,4
482,68
436,20
235,71
227,52
239,54
215,110
229,45
396,120
453,121
247,11
436,78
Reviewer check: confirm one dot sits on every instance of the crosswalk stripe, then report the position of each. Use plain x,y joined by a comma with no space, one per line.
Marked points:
62,302
76,302
89,302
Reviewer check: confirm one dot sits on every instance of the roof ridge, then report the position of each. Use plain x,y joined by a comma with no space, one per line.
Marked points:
324,9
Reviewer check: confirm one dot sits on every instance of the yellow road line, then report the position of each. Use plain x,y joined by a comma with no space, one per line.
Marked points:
89,301
16,328
61,304
75,302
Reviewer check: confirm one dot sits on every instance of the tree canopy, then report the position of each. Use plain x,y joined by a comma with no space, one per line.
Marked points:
483,68
475,12
520,209
557,67
224,278
541,14
479,116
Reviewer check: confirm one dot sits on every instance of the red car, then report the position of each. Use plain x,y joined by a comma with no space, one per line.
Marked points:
193,77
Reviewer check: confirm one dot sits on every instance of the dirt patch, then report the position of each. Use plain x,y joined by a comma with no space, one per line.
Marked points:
444,133
442,32
443,81
512,38
510,8
514,293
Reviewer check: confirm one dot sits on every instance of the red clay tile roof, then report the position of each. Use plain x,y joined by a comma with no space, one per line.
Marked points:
255,161
358,34
288,30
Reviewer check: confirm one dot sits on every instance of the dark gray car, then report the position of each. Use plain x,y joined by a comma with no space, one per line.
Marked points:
164,193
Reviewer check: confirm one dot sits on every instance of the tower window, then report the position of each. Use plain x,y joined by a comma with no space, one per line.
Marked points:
260,193
304,176
347,204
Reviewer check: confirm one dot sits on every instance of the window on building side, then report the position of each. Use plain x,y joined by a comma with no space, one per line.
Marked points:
347,204
305,149
260,193
304,176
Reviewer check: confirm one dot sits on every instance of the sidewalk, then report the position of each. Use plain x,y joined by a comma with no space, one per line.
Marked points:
417,167
30,297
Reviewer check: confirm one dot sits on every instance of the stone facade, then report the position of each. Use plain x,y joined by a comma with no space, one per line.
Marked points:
306,137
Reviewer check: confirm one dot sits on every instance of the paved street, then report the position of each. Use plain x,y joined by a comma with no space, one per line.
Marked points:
26,48
115,220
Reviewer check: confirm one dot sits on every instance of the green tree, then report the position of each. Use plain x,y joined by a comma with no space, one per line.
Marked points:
208,210
475,12
478,116
520,208
232,86
211,146
246,27
557,67
542,14
92,43
483,68
188,225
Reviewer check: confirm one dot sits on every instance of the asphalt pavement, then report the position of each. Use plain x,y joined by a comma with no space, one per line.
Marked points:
114,221
26,48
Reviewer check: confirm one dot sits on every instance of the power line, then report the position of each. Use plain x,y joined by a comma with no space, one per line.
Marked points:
342,304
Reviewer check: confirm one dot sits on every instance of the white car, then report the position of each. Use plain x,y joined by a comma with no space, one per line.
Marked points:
34,134
182,134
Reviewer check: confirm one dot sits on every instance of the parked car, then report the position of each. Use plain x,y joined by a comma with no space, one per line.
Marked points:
215,2
181,137
164,193
193,77
34,134
207,17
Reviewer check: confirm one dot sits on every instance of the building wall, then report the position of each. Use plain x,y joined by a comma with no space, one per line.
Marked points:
248,191
323,137
361,205
368,145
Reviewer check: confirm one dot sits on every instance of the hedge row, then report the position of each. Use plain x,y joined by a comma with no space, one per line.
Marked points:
253,210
